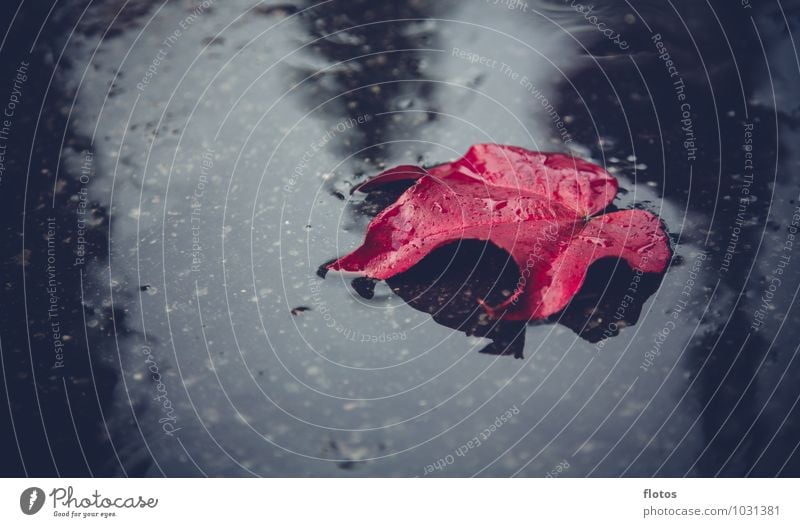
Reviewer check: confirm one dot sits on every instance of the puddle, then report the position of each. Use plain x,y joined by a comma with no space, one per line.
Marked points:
199,161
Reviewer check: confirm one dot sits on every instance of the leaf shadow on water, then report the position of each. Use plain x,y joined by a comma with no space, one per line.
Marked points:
448,283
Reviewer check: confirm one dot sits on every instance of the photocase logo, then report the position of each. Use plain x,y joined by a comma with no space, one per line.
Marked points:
31,500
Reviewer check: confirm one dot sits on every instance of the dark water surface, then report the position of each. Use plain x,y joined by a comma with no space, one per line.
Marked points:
176,173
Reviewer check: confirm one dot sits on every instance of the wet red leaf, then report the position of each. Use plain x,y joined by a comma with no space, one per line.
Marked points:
539,207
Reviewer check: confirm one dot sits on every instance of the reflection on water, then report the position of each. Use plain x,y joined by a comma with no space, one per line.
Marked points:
222,141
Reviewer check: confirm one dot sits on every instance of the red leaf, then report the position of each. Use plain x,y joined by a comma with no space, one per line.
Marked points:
536,206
